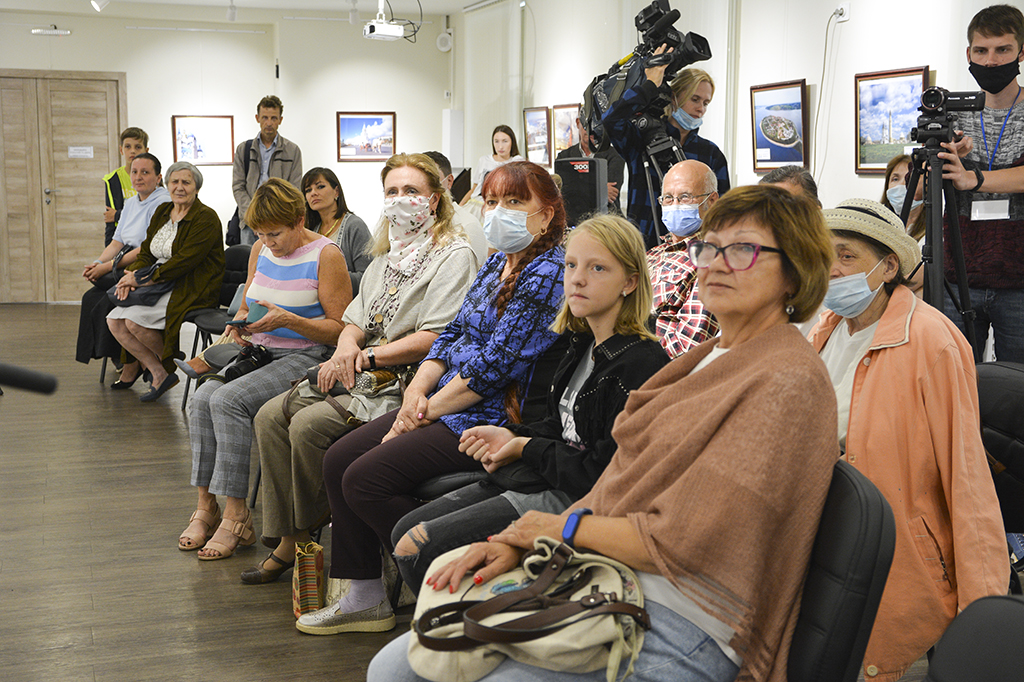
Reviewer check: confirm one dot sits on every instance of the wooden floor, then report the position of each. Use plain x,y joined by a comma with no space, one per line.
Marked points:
94,491
93,495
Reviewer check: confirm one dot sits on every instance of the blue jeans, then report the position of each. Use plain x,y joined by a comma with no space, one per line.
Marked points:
469,514
1001,309
675,650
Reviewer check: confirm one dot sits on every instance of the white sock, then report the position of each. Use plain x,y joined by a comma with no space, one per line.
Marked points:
363,594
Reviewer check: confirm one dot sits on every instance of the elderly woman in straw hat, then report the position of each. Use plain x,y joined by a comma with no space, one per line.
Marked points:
908,419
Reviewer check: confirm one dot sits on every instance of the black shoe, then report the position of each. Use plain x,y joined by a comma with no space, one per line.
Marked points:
156,391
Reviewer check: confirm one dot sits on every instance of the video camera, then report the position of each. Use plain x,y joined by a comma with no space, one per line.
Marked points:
654,23
936,121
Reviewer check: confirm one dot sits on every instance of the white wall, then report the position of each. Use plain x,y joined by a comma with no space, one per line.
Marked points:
505,57
325,67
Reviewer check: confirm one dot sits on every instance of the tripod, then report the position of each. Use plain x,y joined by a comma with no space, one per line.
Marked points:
935,187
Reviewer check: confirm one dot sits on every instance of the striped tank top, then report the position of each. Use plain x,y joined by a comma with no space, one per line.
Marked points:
289,282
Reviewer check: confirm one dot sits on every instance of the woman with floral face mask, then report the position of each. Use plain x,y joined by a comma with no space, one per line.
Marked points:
422,267
908,419
475,373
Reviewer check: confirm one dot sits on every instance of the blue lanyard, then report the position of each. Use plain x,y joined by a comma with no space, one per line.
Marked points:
995,151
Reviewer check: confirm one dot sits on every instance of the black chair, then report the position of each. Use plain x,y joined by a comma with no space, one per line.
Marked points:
982,643
211,321
1001,397
850,562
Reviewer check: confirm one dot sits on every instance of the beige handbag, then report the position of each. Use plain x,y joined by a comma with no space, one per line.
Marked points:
561,610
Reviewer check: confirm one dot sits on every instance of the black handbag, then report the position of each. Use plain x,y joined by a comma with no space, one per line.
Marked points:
143,295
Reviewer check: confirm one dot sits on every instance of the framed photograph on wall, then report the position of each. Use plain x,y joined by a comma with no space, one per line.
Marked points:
563,124
537,124
366,136
779,115
887,103
204,140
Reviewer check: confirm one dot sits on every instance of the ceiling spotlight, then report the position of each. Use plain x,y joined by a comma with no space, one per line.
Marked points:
232,14
98,5
353,14
51,31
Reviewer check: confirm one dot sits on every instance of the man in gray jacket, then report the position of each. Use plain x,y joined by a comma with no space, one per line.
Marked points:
264,157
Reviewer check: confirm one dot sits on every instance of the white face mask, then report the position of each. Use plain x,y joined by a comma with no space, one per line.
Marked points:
505,229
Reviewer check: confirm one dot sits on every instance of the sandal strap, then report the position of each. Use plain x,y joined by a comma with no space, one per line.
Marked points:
209,518
240,529
280,561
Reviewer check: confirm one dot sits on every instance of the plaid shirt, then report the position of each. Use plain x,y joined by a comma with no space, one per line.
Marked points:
628,142
681,321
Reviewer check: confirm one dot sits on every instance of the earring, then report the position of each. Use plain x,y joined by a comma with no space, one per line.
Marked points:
623,294
790,309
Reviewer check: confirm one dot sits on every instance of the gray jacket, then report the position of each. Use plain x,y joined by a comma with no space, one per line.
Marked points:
285,163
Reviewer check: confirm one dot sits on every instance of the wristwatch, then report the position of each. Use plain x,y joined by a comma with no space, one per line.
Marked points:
981,179
572,524
371,358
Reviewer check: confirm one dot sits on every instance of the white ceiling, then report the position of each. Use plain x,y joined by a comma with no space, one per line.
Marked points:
403,8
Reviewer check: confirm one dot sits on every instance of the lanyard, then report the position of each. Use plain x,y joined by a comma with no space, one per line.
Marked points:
981,115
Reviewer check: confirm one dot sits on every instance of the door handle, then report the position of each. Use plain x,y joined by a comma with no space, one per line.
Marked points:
48,192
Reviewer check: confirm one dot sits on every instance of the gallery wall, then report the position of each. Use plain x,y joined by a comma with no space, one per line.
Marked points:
507,56
204,65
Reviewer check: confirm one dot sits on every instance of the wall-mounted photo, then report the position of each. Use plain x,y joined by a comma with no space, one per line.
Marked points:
887,103
204,140
537,124
563,123
779,115
366,136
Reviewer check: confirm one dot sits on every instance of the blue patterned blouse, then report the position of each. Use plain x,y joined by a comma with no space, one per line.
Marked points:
491,353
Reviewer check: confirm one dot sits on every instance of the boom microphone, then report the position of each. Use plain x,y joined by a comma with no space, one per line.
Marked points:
27,379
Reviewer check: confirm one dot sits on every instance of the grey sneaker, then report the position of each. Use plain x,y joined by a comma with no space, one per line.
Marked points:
328,620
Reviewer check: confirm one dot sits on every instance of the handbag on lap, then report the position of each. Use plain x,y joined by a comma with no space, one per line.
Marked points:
561,610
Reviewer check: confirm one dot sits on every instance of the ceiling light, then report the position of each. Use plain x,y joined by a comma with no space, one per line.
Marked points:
353,14
52,31
232,12
98,5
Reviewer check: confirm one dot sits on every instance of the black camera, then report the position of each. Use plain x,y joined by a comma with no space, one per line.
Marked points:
654,23
936,121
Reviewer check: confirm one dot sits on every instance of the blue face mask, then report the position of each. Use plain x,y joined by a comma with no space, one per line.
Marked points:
685,121
897,195
850,296
505,229
682,220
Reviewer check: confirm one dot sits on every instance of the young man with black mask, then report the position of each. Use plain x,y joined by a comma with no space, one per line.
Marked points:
989,180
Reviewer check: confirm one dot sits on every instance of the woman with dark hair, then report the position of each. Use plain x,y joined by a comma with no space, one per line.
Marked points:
474,374
503,149
897,174
327,214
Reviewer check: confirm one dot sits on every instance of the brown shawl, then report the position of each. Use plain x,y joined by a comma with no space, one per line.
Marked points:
724,474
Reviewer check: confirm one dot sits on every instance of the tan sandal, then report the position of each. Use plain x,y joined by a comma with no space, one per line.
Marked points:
241,531
197,539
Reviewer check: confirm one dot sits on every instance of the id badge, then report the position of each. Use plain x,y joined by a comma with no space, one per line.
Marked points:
994,209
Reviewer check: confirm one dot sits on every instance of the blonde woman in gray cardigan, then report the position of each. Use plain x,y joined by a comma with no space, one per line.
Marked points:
724,447
420,273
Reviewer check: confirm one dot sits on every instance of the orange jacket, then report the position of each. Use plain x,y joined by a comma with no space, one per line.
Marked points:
915,432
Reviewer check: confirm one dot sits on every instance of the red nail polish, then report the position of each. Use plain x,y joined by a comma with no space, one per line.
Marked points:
451,589
489,538
430,581
478,579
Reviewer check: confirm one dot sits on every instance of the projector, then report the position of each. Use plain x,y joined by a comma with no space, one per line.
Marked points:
378,29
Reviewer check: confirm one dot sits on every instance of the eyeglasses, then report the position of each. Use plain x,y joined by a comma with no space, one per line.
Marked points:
738,256
684,198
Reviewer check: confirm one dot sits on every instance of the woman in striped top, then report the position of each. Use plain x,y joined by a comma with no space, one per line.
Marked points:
300,279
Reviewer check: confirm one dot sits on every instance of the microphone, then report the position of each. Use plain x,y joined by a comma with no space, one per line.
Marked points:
27,379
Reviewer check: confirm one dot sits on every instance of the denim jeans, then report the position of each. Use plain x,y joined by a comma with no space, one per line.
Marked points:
1003,311
466,515
675,650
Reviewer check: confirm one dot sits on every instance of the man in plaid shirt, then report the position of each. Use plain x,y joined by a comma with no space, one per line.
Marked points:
681,319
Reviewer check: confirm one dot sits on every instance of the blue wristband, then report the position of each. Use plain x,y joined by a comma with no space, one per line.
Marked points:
572,524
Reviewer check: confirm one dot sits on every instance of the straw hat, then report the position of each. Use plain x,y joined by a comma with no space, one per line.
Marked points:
873,220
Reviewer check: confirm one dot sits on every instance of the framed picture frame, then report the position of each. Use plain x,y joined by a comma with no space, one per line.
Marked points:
203,140
886,111
365,136
563,127
537,138
778,113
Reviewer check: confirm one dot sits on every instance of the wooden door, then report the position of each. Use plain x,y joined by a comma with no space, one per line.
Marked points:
58,135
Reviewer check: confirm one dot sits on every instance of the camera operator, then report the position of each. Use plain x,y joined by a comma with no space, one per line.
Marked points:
989,183
691,92
585,148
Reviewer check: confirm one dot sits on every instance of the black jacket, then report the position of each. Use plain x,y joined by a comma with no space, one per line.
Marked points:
621,364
